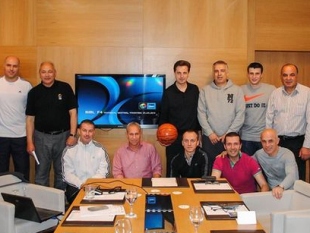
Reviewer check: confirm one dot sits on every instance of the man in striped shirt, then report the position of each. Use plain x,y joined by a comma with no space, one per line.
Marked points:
289,114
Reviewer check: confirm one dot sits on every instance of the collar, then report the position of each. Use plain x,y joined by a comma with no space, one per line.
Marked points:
295,92
232,164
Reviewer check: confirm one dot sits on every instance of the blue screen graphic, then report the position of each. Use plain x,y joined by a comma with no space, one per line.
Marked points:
114,100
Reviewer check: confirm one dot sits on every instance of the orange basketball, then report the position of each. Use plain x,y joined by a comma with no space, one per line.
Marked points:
167,134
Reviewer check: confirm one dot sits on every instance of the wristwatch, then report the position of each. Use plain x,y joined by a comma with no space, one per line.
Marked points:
281,186
72,135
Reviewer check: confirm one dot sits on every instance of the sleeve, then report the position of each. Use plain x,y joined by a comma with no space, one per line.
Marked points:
68,170
240,113
103,170
254,166
155,161
306,143
30,106
205,167
117,168
164,112
174,171
270,112
218,164
202,114
291,171
72,103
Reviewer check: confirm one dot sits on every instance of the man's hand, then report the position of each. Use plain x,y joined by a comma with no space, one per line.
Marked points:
304,153
30,148
222,138
71,141
213,138
222,155
156,176
277,192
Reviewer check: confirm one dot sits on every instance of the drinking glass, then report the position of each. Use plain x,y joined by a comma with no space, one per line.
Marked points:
196,216
131,197
123,226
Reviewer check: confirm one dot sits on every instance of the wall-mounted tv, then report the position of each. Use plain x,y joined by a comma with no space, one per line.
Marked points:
114,100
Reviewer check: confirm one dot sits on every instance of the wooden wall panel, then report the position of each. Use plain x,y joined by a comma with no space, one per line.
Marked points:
282,25
161,60
195,23
28,61
17,22
72,60
89,23
273,61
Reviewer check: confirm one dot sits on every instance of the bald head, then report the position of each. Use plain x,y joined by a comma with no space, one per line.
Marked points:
269,139
11,68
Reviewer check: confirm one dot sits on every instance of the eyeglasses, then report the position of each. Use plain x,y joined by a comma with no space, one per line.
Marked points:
115,190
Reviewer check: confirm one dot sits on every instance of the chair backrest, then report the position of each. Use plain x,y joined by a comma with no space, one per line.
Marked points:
9,180
301,197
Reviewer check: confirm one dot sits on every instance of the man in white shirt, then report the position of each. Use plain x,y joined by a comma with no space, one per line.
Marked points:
84,160
288,113
13,99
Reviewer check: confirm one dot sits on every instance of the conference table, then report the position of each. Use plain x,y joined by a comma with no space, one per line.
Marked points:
180,196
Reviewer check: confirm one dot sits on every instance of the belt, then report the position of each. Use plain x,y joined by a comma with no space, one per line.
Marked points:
53,132
283,137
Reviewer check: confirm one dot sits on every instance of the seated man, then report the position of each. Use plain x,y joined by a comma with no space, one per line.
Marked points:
86,159
278,163
136,159
192,162
238,168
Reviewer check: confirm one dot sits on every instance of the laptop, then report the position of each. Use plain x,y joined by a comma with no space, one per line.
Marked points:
25,209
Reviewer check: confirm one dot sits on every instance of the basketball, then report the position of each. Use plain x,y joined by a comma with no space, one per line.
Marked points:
167,134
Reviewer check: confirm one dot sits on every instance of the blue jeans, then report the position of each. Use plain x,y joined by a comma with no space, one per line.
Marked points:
250,147
17,147
49,150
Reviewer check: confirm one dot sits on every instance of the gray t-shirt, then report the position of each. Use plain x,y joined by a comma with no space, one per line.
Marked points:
281,169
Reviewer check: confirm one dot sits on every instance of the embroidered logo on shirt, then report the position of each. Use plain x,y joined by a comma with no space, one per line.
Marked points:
59,96
248,98
230,98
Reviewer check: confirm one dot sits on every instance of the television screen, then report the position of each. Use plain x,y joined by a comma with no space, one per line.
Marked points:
114,100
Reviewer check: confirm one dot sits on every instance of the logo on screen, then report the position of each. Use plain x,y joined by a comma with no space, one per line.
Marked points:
142,106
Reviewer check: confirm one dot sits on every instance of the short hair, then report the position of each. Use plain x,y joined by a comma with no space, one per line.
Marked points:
191,131
289,64
87,121
232,134
131,124
256,65
182,63
47,62
220,62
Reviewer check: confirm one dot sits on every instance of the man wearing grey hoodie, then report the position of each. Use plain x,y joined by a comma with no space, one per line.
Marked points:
221,109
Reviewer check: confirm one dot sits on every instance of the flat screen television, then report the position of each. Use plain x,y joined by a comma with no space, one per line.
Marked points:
114,100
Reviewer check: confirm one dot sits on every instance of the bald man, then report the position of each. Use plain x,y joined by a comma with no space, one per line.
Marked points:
13,98
278,163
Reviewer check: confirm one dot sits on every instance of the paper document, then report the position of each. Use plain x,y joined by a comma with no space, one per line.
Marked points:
218,186
35,157
111,210
75,215
223,209
164,182
109,196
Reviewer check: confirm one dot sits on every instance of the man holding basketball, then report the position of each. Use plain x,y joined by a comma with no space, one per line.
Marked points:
136,159
179,107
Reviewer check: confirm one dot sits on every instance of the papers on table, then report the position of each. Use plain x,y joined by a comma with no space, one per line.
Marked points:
118,196
76,215
223,210
111,210
164,182
217,186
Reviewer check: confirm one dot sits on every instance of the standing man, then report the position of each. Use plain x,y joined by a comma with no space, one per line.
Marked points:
256,96
221,110
278,163
241,170
289,114
86,159
179,107
192,162
136,159
13,99
51,124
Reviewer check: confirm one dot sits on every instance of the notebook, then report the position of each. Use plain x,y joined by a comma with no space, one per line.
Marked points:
25,209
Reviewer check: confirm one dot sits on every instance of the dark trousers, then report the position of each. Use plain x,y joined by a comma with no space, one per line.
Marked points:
295,144
250,147
17,147
212,151
171,151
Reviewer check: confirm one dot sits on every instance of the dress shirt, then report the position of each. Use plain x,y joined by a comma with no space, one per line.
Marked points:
143,163
289,114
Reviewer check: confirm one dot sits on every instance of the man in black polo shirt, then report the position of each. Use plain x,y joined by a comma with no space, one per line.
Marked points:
179,107
192,162
51,124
